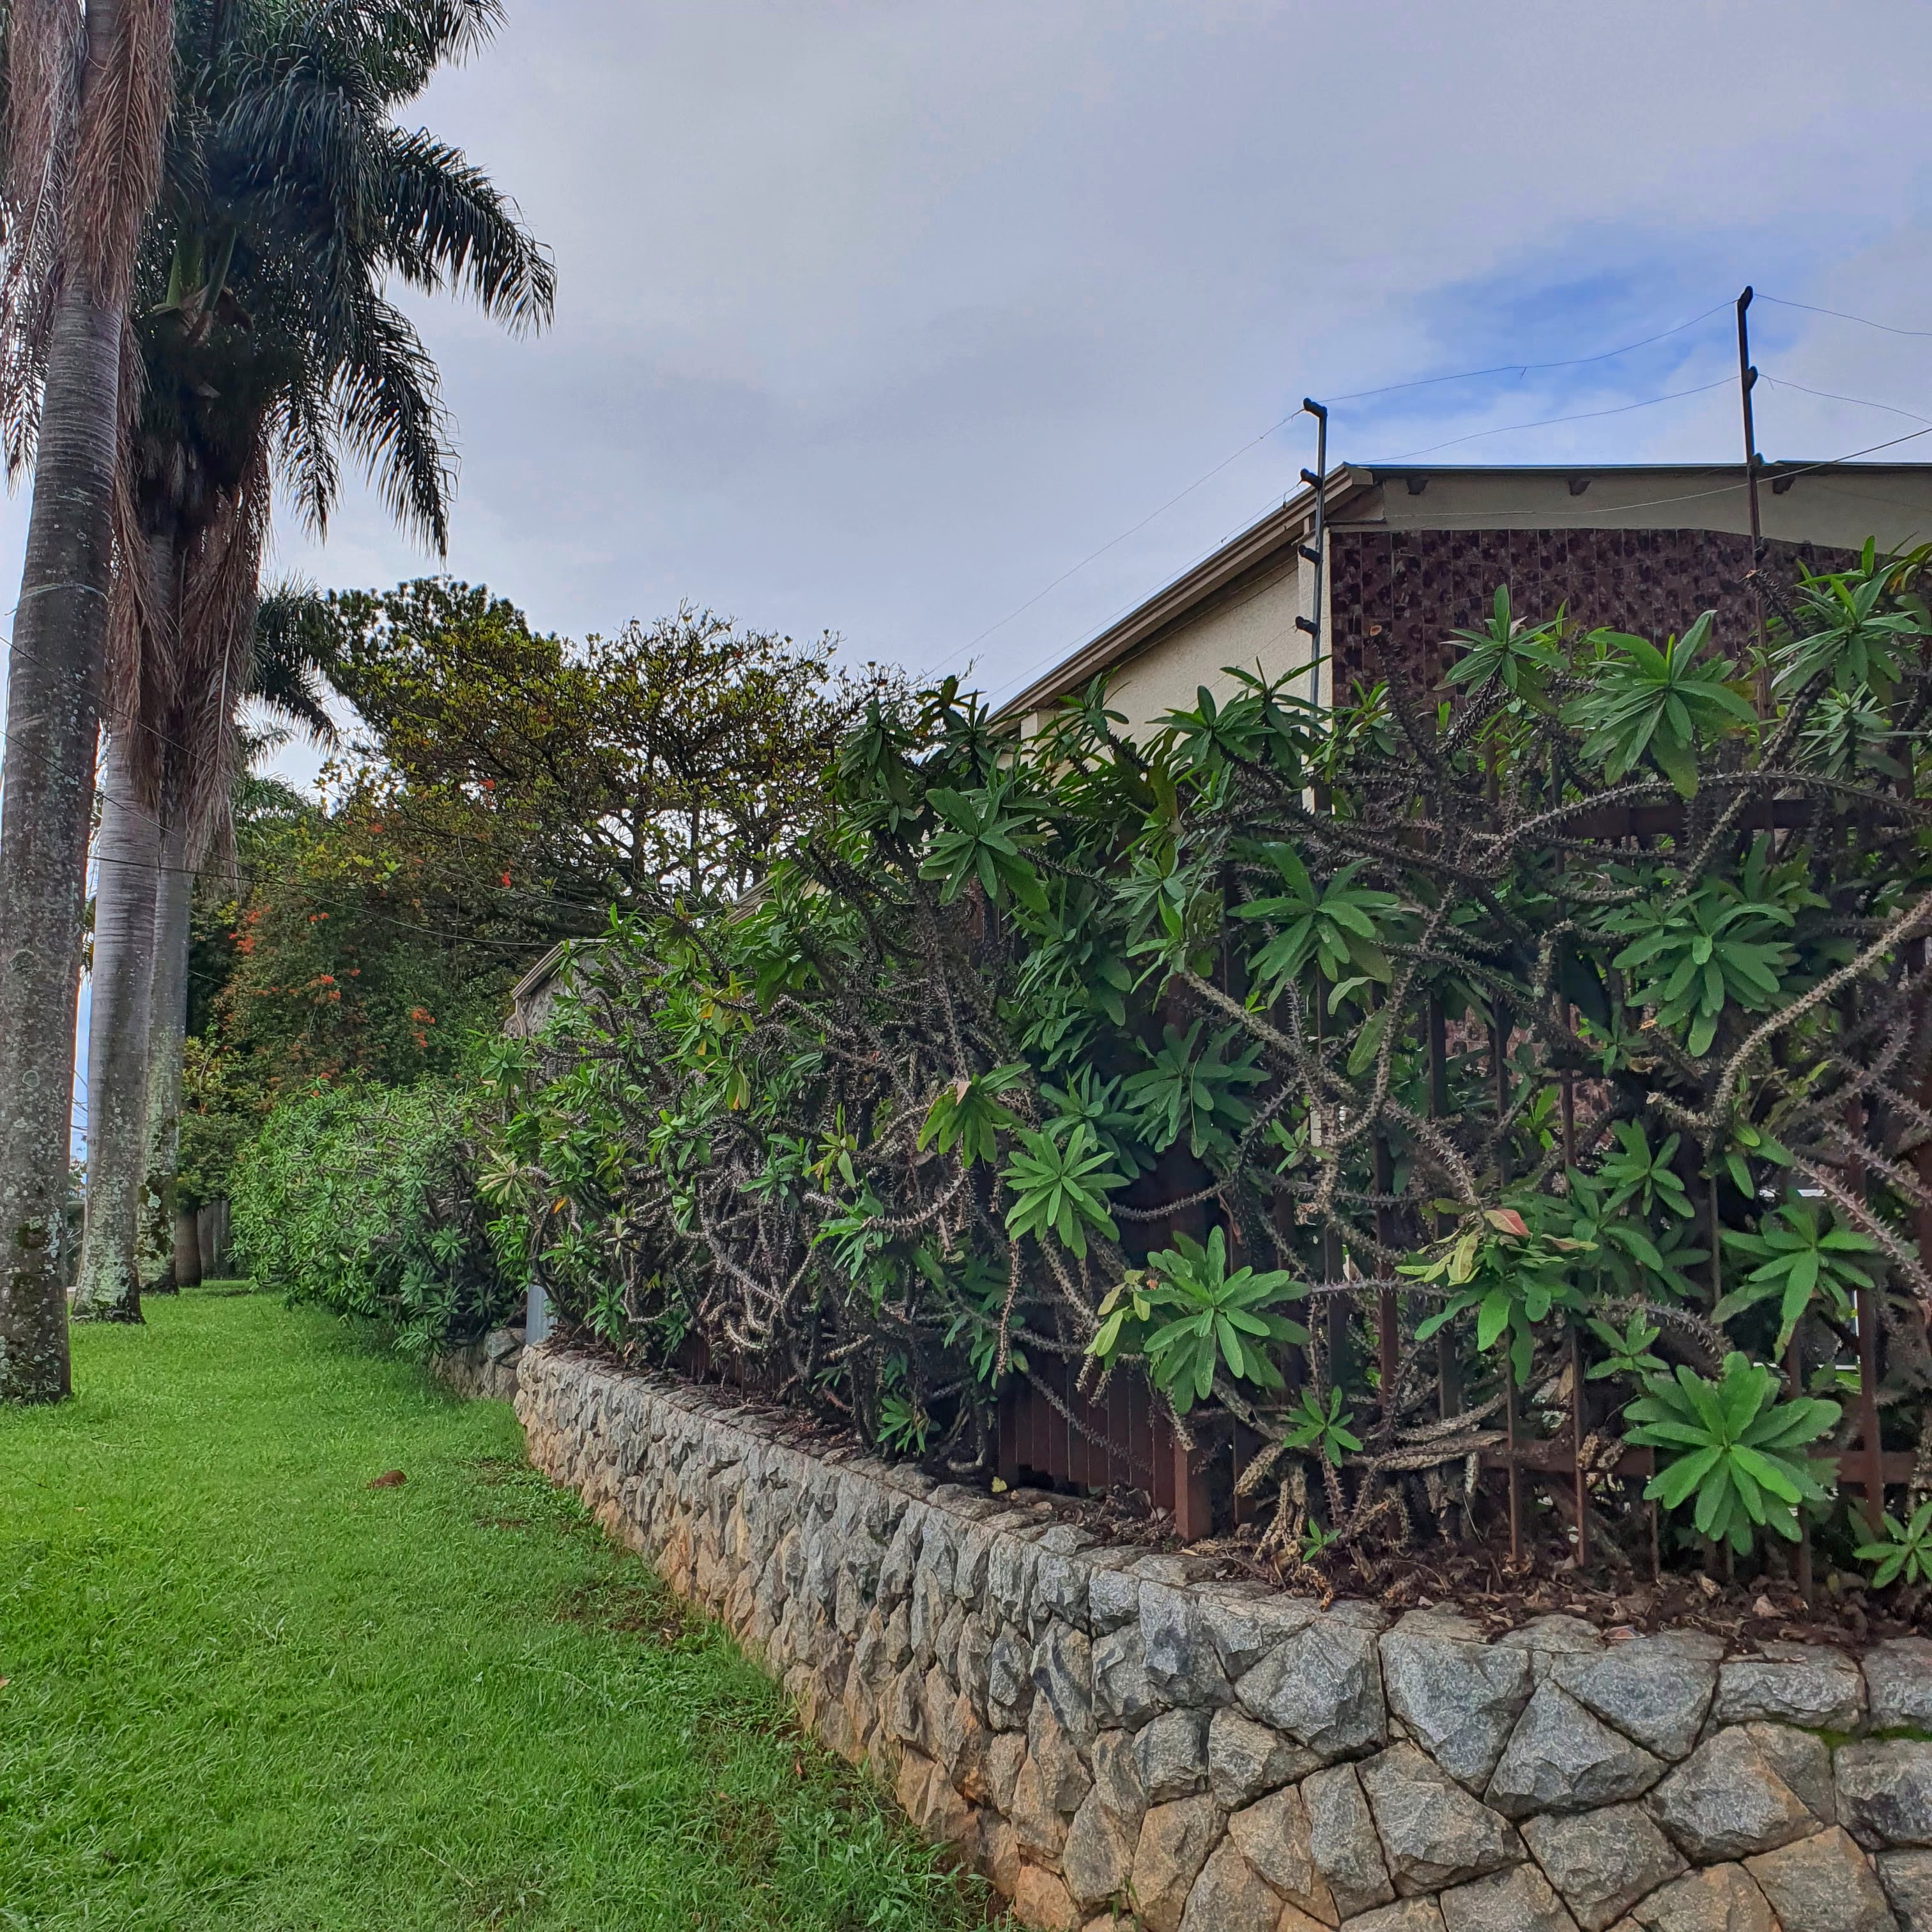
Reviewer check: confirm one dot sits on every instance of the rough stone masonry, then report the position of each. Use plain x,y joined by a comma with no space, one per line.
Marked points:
1115,1739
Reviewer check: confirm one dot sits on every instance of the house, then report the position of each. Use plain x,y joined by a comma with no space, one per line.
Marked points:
1411,554
535,993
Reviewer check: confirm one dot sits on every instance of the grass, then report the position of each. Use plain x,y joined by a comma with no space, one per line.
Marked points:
247,1691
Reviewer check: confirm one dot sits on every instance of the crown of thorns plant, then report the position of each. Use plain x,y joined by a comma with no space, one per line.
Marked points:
1377,1080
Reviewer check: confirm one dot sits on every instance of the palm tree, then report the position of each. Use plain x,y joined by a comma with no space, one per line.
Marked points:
86,101
289,661
269,348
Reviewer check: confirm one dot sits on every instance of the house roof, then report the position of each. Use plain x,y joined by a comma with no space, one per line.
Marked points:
1352,488
542,973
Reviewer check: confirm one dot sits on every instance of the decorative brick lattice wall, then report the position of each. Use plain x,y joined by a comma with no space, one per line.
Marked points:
1117,1739
1398,594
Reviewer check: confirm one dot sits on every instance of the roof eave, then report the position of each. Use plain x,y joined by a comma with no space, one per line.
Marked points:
1142,625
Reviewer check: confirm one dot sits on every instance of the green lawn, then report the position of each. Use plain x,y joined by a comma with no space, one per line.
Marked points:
246,1690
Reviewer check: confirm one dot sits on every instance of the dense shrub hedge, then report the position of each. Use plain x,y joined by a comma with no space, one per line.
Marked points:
363,1198
1548,1051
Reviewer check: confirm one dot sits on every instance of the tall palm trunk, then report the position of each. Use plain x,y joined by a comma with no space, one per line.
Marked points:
174,890
128,856
187,1271
103,182
53,681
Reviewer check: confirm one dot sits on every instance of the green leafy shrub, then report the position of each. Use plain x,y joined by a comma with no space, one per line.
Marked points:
1556,1033
1904,1550
363,1198
1194,1321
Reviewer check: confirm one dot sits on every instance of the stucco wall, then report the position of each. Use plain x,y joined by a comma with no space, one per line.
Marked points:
1839,508
1100,1730
1252,625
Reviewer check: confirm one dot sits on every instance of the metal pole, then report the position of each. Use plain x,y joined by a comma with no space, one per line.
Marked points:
1315,552
1747,382
1871,1458
1514,1451
1579,1420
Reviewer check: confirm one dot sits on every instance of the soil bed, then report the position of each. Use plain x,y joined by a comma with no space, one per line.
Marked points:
1476,1580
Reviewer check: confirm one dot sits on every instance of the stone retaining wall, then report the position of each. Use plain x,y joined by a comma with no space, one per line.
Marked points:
485,1368
1102,1731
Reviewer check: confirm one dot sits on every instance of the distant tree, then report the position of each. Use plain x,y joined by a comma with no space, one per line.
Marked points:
287,678
502,787
679,758
372,933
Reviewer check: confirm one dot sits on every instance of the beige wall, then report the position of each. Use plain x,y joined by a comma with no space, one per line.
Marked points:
1253,625
1254,621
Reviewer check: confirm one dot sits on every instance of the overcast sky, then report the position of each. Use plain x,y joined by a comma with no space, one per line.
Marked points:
878,318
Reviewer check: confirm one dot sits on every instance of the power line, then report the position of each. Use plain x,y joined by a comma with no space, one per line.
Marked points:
1842,315
1581,416
1021,610
1785,472
1832,395
1531,368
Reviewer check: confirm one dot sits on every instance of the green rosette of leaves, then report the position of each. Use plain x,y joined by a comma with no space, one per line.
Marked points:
1192,1320
1726,1449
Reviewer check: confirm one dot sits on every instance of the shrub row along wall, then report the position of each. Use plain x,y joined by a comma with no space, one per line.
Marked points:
1098,1728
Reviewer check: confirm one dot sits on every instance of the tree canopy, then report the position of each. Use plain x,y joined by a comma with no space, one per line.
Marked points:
499,787
679,757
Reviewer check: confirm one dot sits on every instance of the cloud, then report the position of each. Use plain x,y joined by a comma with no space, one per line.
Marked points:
877,318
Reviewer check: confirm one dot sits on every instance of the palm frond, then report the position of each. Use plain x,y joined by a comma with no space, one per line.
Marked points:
388,401
118,140
446,225
43,55
302,432
401,45
221,572
293,653
299,135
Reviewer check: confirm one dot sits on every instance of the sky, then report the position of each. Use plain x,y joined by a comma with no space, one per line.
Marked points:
957,330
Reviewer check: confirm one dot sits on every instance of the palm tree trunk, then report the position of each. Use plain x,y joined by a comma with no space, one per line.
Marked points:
53,684
173,892
128,856
187,1268
52,696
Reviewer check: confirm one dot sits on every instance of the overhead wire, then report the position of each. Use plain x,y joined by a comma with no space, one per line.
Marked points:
1843,315
1580,415
1785,472
1832,396
1518,369
1531,368
1425,382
